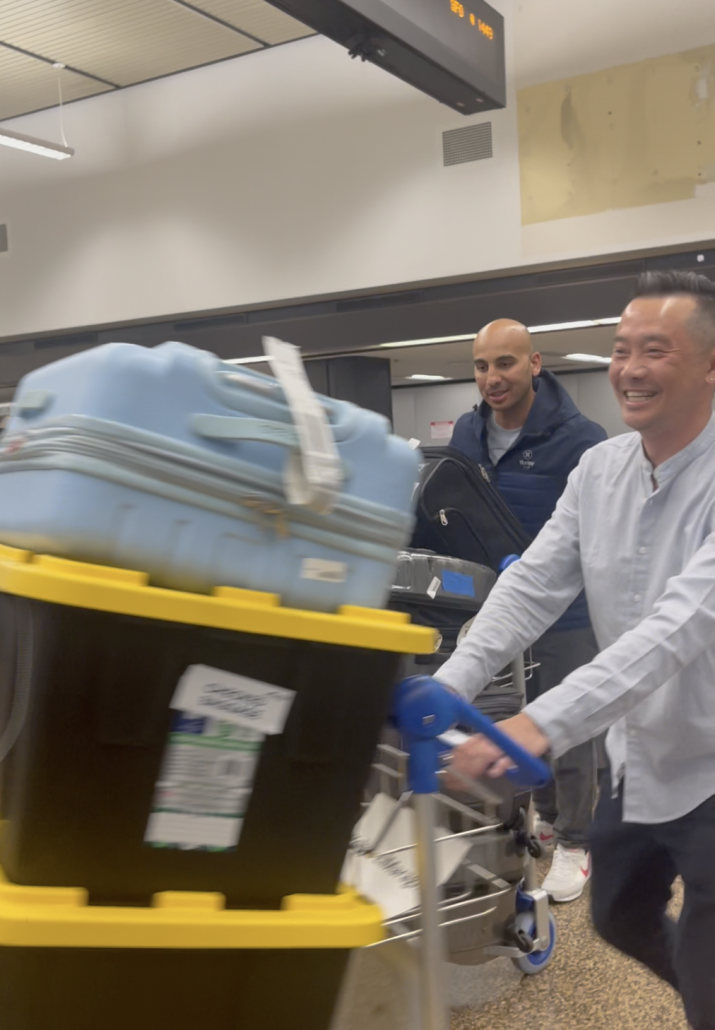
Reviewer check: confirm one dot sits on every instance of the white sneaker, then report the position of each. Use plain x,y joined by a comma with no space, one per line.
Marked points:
570,872
544,833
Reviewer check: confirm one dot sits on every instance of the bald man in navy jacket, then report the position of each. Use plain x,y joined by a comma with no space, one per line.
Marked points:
529,436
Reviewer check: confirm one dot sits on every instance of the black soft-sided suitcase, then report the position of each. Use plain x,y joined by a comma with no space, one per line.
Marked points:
460,513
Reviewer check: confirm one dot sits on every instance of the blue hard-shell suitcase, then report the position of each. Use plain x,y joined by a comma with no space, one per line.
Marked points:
170,461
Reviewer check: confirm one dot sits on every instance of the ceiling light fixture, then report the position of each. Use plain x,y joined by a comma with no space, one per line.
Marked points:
555,327
419,375
246,361
34,146
598,359
586,323
422,343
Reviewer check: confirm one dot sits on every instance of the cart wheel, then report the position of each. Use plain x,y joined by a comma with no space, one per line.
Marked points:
536,960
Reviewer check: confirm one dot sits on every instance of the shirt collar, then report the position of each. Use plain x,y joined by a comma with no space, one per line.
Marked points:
494,425
669,469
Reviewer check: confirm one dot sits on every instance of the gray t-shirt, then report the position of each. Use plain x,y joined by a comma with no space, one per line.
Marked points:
500,440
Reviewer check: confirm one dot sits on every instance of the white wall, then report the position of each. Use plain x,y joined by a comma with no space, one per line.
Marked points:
592,394
415,408
294,173
284,174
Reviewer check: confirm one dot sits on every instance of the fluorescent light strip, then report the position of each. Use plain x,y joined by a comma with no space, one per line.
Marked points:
556,327
259,359
34,146
419,375
588,323
422,343
592,358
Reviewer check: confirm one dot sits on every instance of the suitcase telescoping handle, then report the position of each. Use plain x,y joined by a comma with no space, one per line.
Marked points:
424,709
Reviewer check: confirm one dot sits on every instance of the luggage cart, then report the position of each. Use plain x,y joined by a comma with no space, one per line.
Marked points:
479,914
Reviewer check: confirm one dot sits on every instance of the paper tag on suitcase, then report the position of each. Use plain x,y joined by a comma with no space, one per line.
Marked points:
314,477
258,706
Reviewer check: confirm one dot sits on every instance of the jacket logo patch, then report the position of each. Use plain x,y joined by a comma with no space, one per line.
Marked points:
526,460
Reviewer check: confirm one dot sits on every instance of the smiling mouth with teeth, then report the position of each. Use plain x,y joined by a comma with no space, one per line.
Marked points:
633,395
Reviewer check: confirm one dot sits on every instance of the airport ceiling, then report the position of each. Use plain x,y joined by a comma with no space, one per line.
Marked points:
105,46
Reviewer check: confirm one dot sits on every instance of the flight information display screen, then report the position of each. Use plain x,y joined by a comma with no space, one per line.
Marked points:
450,49
473,31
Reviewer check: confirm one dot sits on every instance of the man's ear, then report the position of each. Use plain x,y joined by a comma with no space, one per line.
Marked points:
711,367
535,363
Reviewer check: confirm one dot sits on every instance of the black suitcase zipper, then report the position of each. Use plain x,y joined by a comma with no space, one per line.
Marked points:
492,501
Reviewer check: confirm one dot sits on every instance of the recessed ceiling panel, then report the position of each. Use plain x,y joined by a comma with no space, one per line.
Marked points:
121,41
29,85
259,19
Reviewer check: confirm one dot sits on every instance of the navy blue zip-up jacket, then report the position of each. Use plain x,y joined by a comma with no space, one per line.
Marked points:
532,475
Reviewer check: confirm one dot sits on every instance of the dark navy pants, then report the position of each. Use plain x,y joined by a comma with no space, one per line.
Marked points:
634,867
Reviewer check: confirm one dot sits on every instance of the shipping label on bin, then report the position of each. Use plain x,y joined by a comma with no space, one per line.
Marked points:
209,763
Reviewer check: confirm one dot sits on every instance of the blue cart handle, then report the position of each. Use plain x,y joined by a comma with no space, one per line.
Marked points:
529,771
424,709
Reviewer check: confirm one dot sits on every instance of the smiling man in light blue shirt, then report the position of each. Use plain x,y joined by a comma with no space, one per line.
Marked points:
635,527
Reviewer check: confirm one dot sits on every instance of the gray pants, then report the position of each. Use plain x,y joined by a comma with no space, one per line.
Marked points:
567,802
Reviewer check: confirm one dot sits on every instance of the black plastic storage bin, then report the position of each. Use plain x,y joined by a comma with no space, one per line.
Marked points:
185,962
116,989
89,662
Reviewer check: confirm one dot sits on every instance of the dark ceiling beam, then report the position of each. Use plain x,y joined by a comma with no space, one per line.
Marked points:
349,324
220,21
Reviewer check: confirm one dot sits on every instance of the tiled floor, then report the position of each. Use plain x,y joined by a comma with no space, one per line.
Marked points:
588,986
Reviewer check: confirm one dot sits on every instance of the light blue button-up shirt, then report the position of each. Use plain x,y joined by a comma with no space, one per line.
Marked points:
641,541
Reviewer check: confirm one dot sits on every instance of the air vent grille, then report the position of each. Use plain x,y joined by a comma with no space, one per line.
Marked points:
471,143
3,239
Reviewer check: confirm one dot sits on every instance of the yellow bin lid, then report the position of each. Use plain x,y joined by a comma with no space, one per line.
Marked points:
125,592
60,917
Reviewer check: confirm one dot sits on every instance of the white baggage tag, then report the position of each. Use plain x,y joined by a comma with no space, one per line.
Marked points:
453,738
258,706
391,881
315,476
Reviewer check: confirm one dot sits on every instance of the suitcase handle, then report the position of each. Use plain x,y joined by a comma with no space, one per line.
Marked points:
314,472
314,475
231,427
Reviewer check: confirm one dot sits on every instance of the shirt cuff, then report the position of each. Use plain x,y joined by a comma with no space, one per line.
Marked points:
549,718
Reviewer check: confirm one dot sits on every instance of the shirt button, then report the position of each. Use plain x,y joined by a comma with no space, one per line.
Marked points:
642,550
636,597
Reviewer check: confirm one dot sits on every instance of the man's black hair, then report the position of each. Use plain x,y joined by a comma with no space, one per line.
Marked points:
687,284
